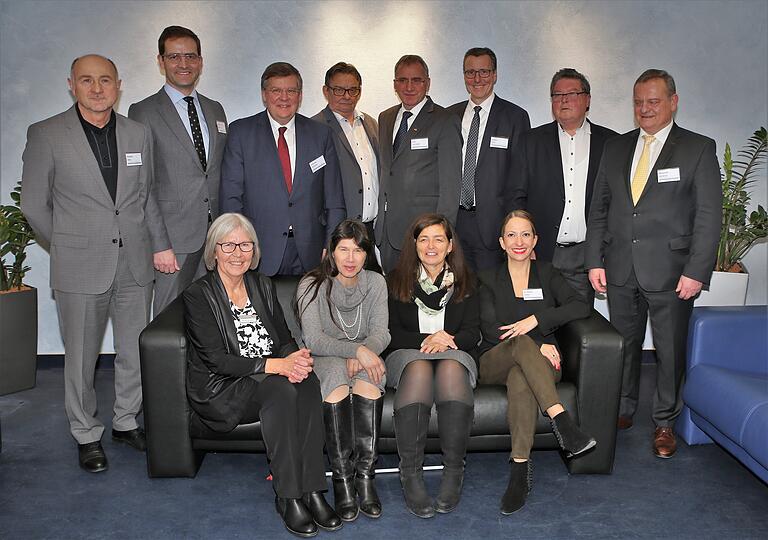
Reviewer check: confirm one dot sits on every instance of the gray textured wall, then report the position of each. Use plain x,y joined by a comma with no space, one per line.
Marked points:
715,50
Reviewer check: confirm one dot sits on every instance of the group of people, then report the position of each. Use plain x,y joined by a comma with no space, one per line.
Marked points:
125,206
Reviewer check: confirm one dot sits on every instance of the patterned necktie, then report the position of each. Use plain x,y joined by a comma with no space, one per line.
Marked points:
401,131
470,163
285,157
643,168
197,134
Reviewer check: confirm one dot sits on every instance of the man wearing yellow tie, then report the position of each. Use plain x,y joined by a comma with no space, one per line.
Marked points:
652,237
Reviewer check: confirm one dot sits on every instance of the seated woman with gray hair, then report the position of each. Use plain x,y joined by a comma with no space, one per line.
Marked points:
244,366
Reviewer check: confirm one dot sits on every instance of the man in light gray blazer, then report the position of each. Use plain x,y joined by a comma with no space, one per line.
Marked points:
86,191
356,137
189,132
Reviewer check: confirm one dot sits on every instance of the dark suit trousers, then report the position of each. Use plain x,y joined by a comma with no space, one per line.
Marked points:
478,256
530,379
169,286
570,261
629,306
291,418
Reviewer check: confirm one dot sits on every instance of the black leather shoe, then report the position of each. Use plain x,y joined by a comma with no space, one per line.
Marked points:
520,480
322,513
296,517
132,437
92,457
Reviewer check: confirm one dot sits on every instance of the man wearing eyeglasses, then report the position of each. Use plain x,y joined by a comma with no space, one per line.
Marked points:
280,170
490,129
357,142
189,132
420,159
554,176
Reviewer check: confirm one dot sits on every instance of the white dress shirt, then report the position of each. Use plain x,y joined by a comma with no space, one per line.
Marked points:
399,118
574,156
656,146
366,159
290,138
177,98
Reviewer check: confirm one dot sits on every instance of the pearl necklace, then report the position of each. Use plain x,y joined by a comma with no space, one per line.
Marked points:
357,321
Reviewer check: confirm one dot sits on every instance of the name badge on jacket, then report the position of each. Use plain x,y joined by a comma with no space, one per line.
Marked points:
668,175
317,164
420,144
133,159
533,294
500,142
221,127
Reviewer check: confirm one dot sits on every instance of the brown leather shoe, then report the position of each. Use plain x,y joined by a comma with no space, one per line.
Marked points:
664,443
624,422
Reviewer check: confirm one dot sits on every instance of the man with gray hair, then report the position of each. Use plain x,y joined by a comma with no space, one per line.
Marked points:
87,192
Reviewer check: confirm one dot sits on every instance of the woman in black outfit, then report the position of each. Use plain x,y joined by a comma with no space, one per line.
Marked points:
522,303
244,367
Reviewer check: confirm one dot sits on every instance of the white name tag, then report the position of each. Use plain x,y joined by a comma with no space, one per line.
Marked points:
317,164
668,175
533,294
132,159
500,142
221,126
248,319
420,144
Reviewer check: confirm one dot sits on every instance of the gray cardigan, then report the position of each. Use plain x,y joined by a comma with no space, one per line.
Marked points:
324,336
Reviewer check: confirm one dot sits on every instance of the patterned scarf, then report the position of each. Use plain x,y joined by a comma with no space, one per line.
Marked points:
431,298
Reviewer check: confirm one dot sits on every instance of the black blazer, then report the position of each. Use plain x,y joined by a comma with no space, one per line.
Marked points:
462,321
498,305
219,385
539,180
494,174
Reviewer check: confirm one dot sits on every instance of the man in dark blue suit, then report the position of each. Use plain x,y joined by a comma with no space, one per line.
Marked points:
281,171
490,128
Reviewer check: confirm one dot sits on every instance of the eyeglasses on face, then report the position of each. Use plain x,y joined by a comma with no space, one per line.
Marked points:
175,58
278,92
415,81
484,73
339,91
557,97
229,247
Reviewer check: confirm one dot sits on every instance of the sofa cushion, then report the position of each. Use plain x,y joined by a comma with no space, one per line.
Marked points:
755,434
725,398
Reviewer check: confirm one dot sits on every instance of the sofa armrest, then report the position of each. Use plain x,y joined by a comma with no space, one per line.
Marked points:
163,352
731,337
593,359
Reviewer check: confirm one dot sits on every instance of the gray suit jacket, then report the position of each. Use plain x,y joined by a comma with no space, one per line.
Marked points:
351,176
66,201
416,181
185,192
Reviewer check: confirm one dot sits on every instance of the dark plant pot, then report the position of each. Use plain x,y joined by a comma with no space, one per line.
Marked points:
18,340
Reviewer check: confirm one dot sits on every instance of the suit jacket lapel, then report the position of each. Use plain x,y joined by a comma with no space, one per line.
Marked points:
662,161
80,142
555,157
630,154
335,126
170,115
263,135
373,137
596,143
416,127
214,137
123,146
490,130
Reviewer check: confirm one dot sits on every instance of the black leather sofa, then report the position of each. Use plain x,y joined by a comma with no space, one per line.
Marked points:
177,444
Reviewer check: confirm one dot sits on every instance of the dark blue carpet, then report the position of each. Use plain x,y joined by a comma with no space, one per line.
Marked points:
701,493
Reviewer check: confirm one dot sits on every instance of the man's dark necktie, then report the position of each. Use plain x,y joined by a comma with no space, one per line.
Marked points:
467,200
197,134
401,131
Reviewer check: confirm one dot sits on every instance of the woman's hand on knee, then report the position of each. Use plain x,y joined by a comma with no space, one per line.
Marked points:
551,353
519,328
371,363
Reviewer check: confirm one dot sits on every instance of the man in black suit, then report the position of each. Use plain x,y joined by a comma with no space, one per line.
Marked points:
490,128
652,239
555,168
420,150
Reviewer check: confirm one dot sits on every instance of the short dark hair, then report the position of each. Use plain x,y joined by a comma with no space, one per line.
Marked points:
480,51
346,69
174,32
279,69
650,74
570,73
409,59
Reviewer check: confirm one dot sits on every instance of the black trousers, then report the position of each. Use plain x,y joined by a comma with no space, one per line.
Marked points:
291,418
477,255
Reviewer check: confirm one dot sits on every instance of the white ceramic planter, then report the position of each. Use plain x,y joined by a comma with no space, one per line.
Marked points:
725,289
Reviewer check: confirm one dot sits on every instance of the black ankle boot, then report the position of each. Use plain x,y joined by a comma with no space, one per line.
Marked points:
322,514
367,421
411,423
454,422
572,440
296,517
339,446
520,481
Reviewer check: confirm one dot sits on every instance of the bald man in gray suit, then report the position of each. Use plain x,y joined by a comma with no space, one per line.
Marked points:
86,191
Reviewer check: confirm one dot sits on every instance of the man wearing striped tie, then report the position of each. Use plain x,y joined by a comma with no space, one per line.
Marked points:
652,239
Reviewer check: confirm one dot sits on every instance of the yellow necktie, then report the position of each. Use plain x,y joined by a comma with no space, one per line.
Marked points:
643,165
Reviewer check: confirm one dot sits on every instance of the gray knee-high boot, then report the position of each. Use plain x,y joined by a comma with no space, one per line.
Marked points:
367,420
454,423
339,446
411,423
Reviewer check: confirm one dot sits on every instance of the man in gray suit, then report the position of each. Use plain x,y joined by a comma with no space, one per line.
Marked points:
86,191
420,159
189,132
356,137
652,238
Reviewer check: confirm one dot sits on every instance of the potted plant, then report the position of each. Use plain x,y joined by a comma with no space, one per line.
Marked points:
18,302
740,230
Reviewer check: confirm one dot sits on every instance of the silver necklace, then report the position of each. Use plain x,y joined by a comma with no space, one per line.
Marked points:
358,321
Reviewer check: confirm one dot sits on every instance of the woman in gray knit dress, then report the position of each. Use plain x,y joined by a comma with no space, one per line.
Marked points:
344,321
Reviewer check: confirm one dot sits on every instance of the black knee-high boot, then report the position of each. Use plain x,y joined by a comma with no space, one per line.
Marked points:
367,421
339,445
454,422
411,423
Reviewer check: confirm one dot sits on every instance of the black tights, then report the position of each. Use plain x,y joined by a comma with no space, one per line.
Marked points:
428,381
